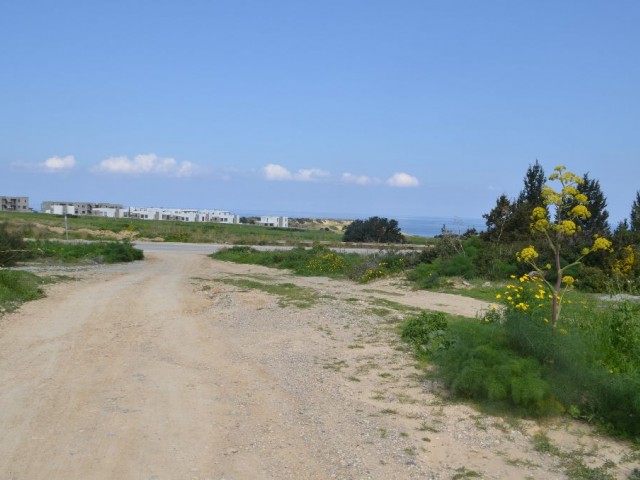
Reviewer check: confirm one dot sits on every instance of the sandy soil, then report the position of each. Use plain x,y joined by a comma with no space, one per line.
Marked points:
170,369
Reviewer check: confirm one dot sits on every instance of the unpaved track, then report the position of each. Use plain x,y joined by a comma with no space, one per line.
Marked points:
161,370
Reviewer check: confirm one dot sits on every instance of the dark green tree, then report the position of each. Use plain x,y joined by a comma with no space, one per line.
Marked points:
373,230
498,219
598,222
634,223
534,181
529,198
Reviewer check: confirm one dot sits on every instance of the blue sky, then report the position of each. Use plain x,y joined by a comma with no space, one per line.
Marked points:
342,107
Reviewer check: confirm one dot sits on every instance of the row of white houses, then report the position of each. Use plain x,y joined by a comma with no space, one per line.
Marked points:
154,213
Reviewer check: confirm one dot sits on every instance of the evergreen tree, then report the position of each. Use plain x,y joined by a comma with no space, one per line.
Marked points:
634,223
534,181
598,222
498,219
374,230
529,198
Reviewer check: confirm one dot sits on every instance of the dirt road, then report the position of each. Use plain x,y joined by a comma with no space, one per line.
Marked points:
181,367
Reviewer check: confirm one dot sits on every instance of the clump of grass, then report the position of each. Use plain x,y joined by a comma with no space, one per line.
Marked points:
289,293
17,287
100,252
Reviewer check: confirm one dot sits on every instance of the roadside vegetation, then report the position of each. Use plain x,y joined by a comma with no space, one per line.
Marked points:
322,261
563,336
17,287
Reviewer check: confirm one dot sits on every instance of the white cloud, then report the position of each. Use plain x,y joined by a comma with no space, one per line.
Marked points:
359,179
402,179
148,164
58,164
278,172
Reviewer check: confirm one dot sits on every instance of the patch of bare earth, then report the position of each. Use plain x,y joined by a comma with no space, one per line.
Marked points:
184,367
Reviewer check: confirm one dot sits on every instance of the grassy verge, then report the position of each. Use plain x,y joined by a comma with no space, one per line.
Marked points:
100,252
320,261
17,287
589,369
42,226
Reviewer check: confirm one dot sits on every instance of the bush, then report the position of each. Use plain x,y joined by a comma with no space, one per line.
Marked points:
107,252
459,265
373,230
426,332
579,366
425,275
12,247
479,365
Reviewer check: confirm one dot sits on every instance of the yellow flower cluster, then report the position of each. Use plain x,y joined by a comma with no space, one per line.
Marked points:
372,274
567,227
538,213
527,254
525,295
601,243
326,263
581,212
568,280
624,265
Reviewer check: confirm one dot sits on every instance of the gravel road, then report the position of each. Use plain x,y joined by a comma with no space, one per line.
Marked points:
182,367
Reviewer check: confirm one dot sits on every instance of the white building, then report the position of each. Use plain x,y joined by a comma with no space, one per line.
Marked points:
182,215
274,221
107,212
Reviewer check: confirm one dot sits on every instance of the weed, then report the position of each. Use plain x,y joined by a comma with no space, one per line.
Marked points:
462,472
336,365
289,293
542,443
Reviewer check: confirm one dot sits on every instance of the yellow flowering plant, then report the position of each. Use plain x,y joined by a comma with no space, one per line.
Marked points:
558,231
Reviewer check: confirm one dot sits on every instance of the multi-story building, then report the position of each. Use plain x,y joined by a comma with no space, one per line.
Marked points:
181,215
274,221
14,204
81,208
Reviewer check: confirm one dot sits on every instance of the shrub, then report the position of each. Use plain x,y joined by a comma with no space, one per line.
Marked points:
373,230
12,247
108,252
479,365
425,275
580,370
426,332
460,265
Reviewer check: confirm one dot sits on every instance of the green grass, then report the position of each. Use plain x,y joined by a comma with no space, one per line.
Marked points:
34,225
321,261
516,364
17,287
101,252
290,294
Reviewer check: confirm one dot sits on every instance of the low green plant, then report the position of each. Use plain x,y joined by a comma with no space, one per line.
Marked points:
100,252
289,293
426,332
17,287
12,246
